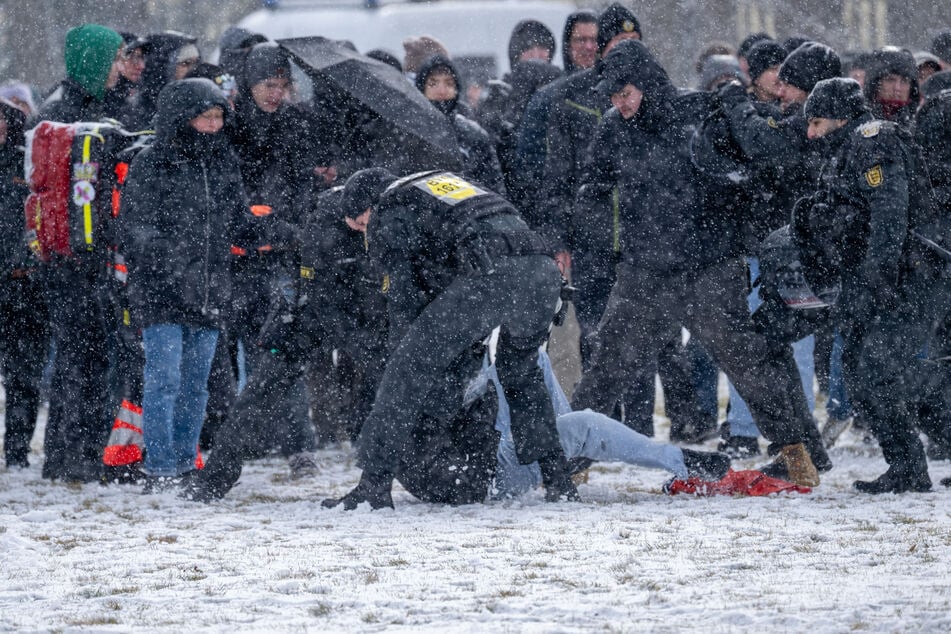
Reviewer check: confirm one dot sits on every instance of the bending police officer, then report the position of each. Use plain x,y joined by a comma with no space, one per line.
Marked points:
460,261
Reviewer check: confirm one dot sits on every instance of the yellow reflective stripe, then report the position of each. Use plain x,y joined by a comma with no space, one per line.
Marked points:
87,207
592,111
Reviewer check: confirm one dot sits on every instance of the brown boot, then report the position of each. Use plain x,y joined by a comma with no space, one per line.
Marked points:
794,465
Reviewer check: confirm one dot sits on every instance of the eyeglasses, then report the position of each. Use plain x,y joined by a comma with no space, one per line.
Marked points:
189,62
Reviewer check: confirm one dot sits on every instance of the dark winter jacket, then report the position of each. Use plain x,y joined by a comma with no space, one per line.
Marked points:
70,103
183,208
427,229
272,150
873,192
933,134
479,160
501,114
576,110
783,163
346,307
661,218
14,253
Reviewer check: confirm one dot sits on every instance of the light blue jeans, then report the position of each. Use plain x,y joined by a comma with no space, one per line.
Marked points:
177,362
584,434
739,416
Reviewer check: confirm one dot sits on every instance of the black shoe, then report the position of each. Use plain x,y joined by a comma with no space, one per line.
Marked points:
556,477
160,484
946,482
196,488
896,481
706,465
739,447
374,489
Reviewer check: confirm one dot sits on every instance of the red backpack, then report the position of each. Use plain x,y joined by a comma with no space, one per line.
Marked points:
70,170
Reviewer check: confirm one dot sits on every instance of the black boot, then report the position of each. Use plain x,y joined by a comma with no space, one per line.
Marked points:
373,488
946,482
816,448
706,465
557,479
897,480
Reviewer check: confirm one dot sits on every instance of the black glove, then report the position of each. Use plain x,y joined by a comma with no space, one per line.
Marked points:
731,94
373,488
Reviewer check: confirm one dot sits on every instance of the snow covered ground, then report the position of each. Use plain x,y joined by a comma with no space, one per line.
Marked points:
268,558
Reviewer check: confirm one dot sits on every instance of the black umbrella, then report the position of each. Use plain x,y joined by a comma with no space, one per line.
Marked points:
349,76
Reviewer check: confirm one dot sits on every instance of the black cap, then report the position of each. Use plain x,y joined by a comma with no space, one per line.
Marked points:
749,42
614,21
836,98
941,46
266,60
363,190
528,34
809,64
764,55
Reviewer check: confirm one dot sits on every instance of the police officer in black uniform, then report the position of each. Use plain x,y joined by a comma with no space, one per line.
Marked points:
460,261
873,200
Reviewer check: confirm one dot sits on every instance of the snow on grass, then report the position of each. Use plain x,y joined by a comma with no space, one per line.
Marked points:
268,558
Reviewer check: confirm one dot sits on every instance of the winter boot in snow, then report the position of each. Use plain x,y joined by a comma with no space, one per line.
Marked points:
303,465
373,488
946,482
557,479
737,446
910,474
793,464
706,465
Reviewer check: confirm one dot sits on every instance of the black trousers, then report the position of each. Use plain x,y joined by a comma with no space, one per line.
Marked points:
712,305
80,408
247,426
520,295
883,365
24,348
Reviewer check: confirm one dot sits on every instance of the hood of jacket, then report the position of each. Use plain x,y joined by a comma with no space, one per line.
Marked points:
630,62
434,63
90,51
891,61
183,100
578,16
160,62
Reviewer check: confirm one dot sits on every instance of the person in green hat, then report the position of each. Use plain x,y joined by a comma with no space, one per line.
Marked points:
79,417
90,54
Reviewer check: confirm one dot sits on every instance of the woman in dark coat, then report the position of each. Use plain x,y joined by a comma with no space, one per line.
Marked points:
183,208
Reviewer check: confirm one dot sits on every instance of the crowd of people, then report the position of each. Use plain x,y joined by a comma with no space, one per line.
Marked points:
281,269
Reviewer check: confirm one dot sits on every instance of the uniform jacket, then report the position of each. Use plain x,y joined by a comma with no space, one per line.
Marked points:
427,229
876,188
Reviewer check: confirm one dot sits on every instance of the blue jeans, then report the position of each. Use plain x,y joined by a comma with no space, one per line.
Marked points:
838,406
739,416
584,434
177,363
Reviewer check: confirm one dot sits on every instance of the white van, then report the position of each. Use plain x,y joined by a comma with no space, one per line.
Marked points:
476,32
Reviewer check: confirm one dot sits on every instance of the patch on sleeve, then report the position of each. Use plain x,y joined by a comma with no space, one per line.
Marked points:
870,129
449,188
307,272
874,176
386,283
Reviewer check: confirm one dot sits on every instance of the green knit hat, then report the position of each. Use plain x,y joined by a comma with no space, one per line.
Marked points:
90,51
